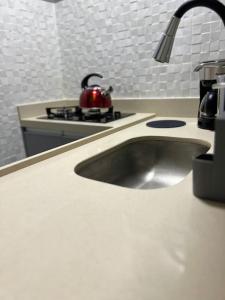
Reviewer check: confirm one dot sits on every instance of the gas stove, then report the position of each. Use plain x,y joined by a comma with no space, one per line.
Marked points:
75,113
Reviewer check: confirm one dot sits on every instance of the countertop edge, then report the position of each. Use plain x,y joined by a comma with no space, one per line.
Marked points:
8,169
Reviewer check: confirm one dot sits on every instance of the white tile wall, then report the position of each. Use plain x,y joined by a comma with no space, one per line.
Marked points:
30,66
116,38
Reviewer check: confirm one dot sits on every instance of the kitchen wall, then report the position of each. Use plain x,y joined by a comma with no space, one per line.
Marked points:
47,48
118,38
30,66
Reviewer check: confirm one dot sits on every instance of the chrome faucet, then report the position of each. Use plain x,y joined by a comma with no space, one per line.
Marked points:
208,169
208,98
164,49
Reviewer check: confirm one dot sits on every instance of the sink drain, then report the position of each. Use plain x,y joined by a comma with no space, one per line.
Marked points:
166,124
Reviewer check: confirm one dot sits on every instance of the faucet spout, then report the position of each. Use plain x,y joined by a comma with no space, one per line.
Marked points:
214,5
164,49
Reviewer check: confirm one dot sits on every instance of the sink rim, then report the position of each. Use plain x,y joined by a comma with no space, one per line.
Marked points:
139,139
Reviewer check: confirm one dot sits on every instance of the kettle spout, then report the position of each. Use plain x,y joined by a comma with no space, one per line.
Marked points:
108,91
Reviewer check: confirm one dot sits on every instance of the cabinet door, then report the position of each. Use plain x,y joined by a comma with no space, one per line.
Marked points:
36,141
69,137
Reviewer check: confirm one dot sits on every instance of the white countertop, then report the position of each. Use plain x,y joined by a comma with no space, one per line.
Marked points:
93,130
67,237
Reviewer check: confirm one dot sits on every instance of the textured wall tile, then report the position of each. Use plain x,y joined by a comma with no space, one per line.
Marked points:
118,38
115,38
30,66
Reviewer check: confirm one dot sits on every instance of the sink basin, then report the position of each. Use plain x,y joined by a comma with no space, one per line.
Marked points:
144,162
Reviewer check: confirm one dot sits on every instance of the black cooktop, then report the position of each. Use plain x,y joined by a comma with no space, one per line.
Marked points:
75,113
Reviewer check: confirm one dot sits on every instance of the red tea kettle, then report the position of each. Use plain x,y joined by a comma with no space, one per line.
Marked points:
94,96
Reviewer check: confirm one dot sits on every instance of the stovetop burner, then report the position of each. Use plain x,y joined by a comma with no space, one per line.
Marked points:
75,113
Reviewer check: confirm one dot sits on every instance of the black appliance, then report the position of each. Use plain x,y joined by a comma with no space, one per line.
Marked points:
208,106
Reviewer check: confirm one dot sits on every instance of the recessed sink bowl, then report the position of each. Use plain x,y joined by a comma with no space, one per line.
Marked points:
144,163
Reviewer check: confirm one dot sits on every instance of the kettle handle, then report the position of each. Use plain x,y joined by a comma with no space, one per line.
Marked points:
84,82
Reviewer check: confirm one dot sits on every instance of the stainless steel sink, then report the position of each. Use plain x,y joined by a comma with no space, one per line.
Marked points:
144,163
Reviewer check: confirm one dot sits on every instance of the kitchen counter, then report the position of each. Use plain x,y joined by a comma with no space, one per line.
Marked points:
28,118
67,237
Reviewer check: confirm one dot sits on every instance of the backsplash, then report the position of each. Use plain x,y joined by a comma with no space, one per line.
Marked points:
30,66
118,39
47,48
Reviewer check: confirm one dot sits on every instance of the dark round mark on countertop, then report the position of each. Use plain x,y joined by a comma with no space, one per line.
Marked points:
166,124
